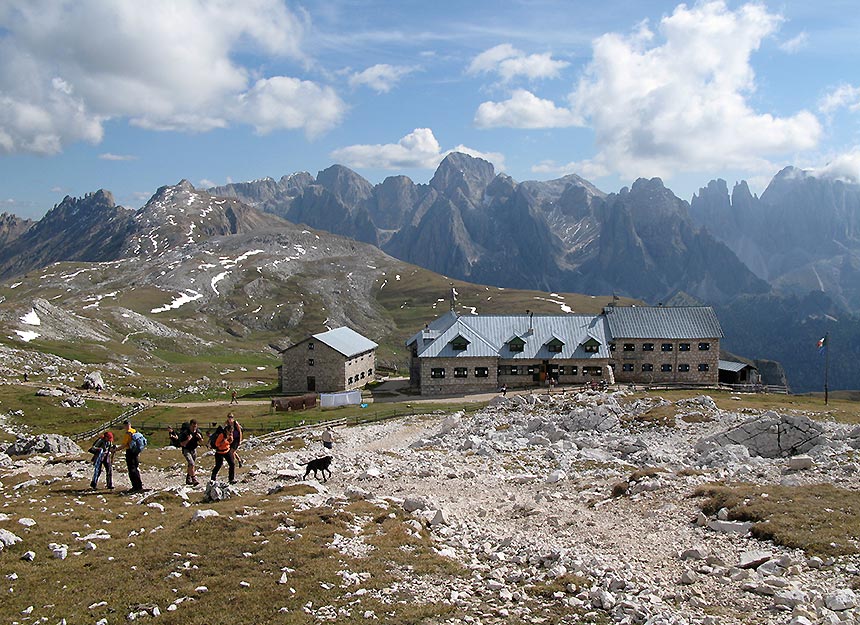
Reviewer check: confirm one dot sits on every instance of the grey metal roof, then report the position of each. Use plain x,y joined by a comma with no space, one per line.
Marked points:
346,341
734,367
665,322
434,328
488,336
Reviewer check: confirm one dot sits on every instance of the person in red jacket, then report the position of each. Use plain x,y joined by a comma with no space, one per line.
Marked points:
224,451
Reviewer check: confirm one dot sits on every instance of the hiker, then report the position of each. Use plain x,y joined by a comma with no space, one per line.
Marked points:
223,451
102,451
504,390
26,377
328,437
237,437
132,459
189,439
233,399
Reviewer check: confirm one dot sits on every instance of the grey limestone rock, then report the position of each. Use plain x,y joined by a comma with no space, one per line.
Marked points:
770,435
54,444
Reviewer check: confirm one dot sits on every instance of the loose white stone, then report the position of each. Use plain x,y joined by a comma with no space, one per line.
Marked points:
199,515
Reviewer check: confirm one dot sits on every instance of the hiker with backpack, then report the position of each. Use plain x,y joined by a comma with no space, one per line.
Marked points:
133,444
102,451
221,441
187,440
237,437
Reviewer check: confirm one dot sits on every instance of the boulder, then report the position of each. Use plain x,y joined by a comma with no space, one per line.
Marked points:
49,392
7,538
770,435
93,381
753,558
199,515
53,444
597,419
842,599
219,491
799,463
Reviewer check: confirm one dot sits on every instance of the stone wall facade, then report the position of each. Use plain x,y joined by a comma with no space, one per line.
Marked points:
311,365
458,375
692,361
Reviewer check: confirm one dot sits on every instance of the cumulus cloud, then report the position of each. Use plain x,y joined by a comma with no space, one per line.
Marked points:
381,78
109,156
417,150
682,104
525,110
66,67
795,44
509,63
843,96
845,167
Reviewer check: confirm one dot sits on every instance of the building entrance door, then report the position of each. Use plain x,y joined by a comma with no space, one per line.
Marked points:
312,383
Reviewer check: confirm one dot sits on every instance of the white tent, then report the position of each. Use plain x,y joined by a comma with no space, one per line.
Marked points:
345,398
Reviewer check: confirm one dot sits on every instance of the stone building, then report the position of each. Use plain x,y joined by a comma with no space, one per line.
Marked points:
337,360
481,353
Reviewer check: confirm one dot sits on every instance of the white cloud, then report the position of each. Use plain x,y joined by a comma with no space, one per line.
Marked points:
525,110
681,105
843,96
509,62
109,156
67,67
205,183
586,168
845,167
381,78
417,150
795,44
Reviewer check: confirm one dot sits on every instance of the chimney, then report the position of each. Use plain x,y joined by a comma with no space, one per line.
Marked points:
530,314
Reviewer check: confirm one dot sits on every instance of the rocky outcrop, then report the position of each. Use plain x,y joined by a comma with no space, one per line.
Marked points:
770,436
53,444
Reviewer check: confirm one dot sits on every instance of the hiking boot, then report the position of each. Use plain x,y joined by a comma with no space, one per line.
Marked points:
93,485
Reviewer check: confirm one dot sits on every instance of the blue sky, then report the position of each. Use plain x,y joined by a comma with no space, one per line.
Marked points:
129,96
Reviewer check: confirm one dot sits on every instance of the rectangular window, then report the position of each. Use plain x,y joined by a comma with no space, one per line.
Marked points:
647,347
683,347
460,372
703,366
612,347
561,370
703,347
516,346
362,375
349,381
665,368
531,369
683,368
370,372
310,362
629,347
310,345
665,347
554,348
592,349
627,366
647,366
515,370
459,345
437,372
482,372
574,370
595,371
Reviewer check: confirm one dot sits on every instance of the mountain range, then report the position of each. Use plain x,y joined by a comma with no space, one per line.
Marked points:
220,251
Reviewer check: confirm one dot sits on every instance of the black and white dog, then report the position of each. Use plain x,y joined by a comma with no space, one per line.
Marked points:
318,464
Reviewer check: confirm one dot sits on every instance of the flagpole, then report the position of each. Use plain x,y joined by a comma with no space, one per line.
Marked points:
826,362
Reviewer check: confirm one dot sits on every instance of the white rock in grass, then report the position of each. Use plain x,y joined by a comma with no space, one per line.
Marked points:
172,607
204,514
60,552
7,538
283,579
29,556
156,506
201,589
27,522
244,584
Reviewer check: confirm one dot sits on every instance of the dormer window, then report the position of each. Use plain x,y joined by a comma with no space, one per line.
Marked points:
516,344
554,346
459,344
592,345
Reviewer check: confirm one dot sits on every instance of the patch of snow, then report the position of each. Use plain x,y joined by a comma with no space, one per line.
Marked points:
384,282
397,277
473,310
31,319
183,299
566,308
257,309
218,279
16,285
26,335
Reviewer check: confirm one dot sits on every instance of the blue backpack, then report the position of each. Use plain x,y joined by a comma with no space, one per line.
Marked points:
138,442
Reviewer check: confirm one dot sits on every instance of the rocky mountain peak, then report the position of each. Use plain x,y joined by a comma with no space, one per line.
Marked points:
468,174
346,185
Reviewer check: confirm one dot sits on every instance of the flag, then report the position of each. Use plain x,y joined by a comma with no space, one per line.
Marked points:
822,344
